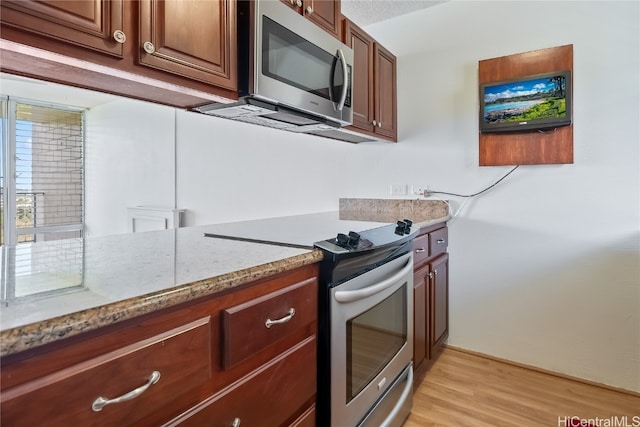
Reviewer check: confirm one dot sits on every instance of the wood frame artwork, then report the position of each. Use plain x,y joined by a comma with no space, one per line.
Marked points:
526,148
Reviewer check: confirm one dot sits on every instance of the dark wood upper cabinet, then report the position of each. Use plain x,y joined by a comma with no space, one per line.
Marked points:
362,73
374,85
385,93
324,13
153,49
201,50
97,24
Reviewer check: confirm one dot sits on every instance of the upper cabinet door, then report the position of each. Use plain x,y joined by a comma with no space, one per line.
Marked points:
194,39
93,24
374,84
363,96
324,13
385,77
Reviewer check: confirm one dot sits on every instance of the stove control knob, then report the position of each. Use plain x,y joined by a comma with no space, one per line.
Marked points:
354,239
409,223
401,227
342,240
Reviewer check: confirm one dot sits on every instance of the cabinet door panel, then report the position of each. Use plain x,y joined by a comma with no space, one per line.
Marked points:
326,14
438,241
385,64
362,96
201,50
89,23
182,356
269,396
420,316
244,325
421,249
308,419
439,302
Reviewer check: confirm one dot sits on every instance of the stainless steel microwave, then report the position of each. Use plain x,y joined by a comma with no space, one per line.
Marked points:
292,74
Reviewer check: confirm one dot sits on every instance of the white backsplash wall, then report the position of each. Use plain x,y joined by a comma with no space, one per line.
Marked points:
129,161
231,171
544,268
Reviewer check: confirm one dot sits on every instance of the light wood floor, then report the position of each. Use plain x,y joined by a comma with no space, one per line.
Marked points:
463,389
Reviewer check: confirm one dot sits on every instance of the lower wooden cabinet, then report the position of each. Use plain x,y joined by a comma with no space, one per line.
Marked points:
266,397
89,393
193,364
431,296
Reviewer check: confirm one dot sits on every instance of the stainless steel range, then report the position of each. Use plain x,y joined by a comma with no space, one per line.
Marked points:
365,317
365,328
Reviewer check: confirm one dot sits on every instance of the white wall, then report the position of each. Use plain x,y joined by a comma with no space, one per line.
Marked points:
129,161
544,268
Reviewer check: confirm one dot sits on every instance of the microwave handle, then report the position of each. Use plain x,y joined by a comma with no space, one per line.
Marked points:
345,87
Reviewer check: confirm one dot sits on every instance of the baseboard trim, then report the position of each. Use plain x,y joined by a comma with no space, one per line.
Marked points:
543,371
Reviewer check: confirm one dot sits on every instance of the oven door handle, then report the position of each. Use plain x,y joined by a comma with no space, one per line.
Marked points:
358,294
408,388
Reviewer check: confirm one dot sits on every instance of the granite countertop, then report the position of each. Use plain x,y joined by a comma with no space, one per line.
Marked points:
76,285
120,277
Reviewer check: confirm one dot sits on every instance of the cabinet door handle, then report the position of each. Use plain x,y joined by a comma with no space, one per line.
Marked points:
101,402
420,250
149,47
119,36
269,323
309,10
236,422
440,241
375,123
298,3
379,124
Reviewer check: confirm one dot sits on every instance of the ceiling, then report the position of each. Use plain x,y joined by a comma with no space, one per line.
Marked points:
366,12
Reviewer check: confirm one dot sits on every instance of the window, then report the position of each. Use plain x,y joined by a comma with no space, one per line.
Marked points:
42,197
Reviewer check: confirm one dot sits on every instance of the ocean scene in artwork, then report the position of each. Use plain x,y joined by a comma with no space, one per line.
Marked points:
526,100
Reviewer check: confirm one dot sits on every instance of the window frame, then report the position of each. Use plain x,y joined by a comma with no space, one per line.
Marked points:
10,230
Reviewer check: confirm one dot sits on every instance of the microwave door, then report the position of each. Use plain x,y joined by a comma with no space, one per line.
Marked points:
339,81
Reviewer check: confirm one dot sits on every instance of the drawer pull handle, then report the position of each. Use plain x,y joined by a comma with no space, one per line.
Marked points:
101,402
440,241
420,250
236,422
269,323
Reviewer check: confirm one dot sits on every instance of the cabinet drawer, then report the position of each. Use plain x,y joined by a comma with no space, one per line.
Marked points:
182,356
420,248
269,396
253,326
438,241
307,419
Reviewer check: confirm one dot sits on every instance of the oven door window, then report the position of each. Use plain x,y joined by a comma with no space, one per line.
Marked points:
291,59
373,339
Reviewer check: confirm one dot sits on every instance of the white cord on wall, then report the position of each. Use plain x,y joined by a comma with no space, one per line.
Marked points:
467,197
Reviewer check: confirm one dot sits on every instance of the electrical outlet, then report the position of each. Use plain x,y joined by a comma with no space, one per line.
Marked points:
419,190
398,189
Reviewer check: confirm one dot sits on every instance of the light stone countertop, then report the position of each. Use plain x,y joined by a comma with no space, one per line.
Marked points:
128,275
99,281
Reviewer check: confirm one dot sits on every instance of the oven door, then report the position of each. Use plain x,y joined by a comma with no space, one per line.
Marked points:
371,334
